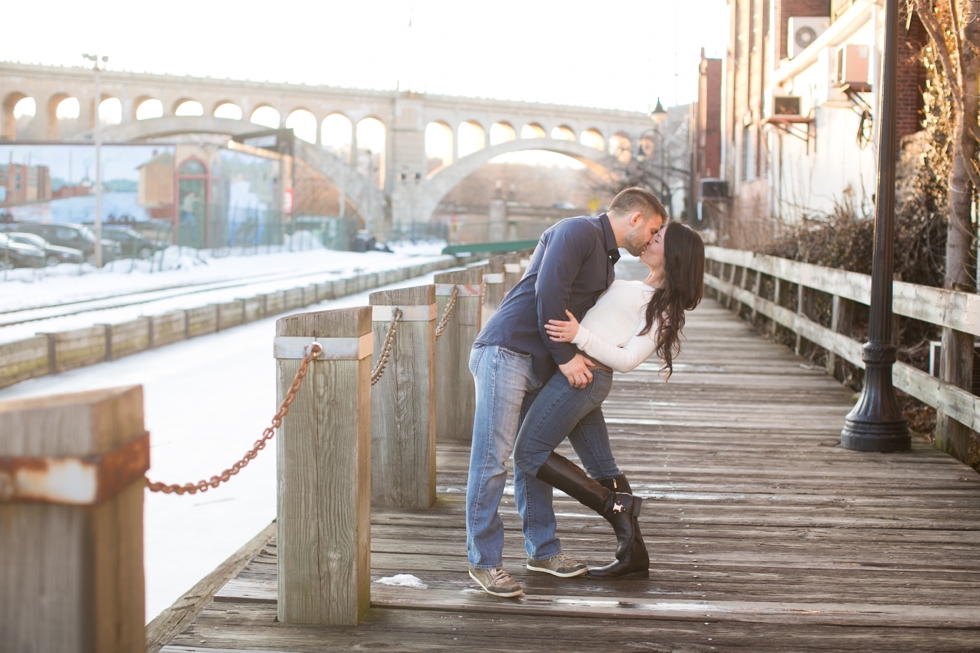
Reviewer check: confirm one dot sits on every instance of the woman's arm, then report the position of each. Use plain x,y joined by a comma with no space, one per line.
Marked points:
622,359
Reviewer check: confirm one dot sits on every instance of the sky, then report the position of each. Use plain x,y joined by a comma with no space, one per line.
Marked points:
620,54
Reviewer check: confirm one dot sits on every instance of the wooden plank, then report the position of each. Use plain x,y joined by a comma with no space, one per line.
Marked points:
231,314
127,338
403,406
275,303
310,294
23,359
455,390
166,625
169,327
324,478
71,577
202,321
293,299
77,348
253,308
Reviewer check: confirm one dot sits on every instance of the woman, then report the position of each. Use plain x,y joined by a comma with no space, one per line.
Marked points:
629,323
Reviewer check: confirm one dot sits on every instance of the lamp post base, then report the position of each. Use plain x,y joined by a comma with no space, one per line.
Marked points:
865,436
876,422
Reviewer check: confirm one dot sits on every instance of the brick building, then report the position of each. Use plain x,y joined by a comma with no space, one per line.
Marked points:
25,183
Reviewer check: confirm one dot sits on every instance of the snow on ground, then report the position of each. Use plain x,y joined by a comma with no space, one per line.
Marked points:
257,274
206,402
24,288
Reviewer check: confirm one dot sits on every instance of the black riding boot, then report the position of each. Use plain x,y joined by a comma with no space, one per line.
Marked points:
618,508
636,562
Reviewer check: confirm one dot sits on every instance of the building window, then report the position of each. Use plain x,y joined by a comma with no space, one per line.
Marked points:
748,167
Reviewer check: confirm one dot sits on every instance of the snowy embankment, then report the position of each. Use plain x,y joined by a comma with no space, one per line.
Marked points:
190,282
206,401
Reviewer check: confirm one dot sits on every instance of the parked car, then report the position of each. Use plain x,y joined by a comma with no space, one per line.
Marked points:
76,236
19,255
132,243
53,254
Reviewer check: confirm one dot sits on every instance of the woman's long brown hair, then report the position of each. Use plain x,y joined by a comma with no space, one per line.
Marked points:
682,291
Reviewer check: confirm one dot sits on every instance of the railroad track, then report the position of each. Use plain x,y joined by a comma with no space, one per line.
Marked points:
123,300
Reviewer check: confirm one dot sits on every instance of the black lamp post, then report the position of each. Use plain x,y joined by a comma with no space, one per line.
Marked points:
876,422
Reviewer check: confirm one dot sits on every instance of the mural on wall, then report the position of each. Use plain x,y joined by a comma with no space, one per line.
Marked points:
55,183
205,195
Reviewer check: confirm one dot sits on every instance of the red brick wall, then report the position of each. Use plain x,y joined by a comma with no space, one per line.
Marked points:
708,140
788,8
911,77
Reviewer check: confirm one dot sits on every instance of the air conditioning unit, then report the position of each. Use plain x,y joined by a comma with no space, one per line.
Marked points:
785,105
852,65
713,189
804,30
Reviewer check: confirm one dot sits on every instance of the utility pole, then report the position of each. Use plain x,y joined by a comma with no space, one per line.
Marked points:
94,58
876,423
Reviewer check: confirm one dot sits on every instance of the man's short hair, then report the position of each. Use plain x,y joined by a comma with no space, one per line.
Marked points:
637,199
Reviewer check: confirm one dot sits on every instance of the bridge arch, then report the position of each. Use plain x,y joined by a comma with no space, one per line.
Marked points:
147,108
188,107
443,181
8,123
227,110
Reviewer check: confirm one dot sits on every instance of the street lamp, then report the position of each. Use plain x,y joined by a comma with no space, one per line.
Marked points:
876,423
94,58
659,114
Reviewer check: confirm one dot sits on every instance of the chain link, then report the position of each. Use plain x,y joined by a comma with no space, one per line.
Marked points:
379,369
449,311
203,486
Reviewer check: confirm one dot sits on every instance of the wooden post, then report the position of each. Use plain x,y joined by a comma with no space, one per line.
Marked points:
841,318
804,307
324,469
756,289
455,391
956,368
731,285
403,403
512,271
493,285
777,298
483,267
71,522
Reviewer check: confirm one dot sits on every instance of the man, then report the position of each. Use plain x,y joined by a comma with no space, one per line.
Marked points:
513,358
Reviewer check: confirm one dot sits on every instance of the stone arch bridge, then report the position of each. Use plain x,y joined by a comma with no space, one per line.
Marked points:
158,106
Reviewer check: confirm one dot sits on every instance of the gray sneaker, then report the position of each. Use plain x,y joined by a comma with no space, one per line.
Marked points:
496,581
561,565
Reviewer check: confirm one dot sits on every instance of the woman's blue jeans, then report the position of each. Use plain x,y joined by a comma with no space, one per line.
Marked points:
561,411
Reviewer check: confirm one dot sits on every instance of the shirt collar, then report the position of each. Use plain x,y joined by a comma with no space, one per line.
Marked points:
611,247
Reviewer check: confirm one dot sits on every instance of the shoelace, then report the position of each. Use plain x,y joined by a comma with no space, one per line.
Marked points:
499,576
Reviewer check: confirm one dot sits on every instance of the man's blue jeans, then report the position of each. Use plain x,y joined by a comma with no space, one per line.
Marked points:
505,389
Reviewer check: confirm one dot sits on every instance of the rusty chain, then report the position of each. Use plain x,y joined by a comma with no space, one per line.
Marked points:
379,369
449,311
203,486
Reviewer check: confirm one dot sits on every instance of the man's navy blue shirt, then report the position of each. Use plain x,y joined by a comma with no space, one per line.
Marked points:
571,266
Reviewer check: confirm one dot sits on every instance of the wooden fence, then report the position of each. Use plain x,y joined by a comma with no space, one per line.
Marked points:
787,293
343,447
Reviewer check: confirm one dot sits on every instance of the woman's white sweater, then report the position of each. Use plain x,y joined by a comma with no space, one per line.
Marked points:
610,331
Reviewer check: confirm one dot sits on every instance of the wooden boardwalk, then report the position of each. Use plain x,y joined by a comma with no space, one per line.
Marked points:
763,534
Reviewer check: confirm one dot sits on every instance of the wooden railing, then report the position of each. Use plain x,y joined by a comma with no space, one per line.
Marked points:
765,285
75,465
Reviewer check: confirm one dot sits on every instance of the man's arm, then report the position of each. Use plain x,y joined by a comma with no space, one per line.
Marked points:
560,265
